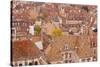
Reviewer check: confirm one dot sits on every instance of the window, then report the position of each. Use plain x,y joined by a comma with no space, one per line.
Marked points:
15,64
26,63
30,63
48,62
66,55
70,55
88,59
83,60
66,61
18,23
93,44
70,61
20,64
94,58
15,24
62,54
35,63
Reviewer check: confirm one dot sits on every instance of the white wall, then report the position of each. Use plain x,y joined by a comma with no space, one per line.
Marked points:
31,29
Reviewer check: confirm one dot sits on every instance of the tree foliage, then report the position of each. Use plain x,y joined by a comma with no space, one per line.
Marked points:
56,32
37,29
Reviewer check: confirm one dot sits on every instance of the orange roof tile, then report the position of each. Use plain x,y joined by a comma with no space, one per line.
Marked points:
24,49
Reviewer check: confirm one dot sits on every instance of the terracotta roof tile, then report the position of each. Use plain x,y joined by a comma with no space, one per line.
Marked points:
24,49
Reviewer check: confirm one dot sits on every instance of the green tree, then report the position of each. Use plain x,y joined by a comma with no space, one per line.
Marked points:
37,30
56,32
